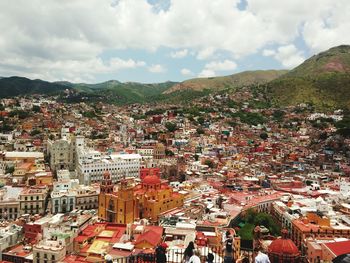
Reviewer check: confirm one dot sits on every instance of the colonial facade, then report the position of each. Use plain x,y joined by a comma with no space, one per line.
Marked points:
93,164
68,195
156,197
117,207
9,202
63,152
146,200
33,200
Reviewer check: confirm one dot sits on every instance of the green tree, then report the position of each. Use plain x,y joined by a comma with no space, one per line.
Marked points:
209,163
35,132
171,126
267,221
36,108
9,169
200,130
196,157
21,114
278,115
264,136
200,120
89,114
169,152
250,216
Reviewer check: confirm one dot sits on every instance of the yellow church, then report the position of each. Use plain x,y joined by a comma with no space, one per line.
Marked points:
117,207
147,200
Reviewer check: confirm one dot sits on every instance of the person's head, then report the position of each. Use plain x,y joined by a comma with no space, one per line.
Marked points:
259,249
164,245
228,233
228,245
189,249
197,253
190,245
210,257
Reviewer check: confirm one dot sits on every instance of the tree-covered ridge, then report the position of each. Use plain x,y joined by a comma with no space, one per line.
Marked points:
323,81
237,80
16,86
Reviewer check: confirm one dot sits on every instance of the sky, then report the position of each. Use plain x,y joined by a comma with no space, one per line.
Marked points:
163,40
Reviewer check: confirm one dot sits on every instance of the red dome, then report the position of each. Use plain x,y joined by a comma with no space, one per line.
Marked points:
282,246
151,179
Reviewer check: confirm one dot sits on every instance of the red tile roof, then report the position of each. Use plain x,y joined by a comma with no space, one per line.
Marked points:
339,248
150,237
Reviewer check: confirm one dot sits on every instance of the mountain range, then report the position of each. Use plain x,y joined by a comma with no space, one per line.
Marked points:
322,80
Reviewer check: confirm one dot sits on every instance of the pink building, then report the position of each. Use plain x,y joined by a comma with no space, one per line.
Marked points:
326,250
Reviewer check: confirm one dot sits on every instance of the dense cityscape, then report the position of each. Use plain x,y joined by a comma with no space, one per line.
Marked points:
87,182
174,131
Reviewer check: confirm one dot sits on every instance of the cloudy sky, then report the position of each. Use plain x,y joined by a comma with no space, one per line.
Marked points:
159,40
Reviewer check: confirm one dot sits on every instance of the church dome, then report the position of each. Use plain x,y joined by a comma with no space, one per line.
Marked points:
151,179
283,246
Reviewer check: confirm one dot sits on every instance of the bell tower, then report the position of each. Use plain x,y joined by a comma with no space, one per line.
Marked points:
106,185
105,196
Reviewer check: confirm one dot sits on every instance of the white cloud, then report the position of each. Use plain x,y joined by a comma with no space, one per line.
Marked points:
71,70
186,72
212,67
268,52
179,54
288,55
60,33
157,68
206,53
207,73
225,65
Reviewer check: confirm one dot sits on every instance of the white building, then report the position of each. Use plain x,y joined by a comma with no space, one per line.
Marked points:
49,251
146,152
67,195
6,137
33,200
92,164
10,235
63,152
9,202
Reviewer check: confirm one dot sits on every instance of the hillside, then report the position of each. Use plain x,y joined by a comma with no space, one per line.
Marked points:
111,91
123,93
245,78
322,80
14,86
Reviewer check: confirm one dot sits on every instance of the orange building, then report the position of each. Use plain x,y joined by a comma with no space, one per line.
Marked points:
149,171
156,197
117,207
315,225
146,200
